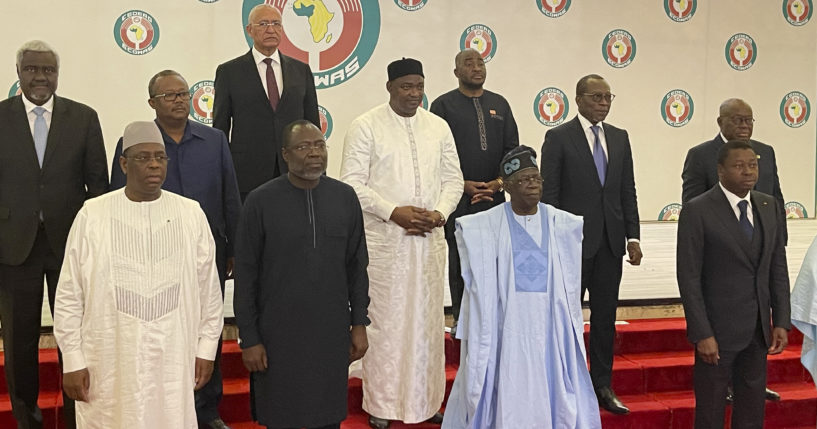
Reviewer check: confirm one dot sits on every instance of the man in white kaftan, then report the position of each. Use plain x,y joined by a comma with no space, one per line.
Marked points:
403,164
523,361
138,309
804,308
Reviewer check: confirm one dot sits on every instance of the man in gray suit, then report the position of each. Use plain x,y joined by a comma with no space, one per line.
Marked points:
257,95
734,285
52,158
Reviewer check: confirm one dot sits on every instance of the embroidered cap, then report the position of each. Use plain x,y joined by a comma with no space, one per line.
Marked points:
519,158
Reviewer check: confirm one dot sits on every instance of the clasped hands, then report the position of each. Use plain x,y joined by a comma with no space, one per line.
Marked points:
416,220
481,191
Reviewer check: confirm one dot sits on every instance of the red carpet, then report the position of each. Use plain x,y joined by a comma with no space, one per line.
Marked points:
652,374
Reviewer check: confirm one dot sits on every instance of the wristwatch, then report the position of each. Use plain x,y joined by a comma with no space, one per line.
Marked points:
442,218
501,184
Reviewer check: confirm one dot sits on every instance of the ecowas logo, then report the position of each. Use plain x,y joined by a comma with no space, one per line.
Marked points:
795,109
15,89
136,32
335,37
680,10
741,51
670,212
410,5
202,95
797,12
551,106
618,48
481,38
326,122
677,108
553,8
795,210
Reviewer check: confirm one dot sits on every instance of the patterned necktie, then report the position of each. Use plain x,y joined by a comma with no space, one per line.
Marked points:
272,85
40,133
598,156
745,225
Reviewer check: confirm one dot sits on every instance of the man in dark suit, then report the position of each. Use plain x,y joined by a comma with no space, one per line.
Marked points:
734,285
52,158
257,95
701,170
587,167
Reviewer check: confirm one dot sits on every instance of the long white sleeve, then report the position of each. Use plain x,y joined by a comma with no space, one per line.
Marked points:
69,303
356,167
211,320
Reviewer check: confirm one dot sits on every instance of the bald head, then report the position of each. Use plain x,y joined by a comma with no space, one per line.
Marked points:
735,119
469,68
262,8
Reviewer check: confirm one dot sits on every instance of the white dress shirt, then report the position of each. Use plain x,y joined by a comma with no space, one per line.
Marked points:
262,69
591,138
29,106
734,200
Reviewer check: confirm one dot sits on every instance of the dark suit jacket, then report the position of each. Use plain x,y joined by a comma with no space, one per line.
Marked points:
572,184
701,170
241,105
724,293
75,168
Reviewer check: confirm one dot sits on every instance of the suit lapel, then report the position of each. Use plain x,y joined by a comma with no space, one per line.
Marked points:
726,215
613,152
768,217
23,129
56,130
582,148
251,69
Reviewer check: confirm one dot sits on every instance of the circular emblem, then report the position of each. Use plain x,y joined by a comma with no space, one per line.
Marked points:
326,122
202,95
795,210
15,89
795,109
553,8
410,5
741,51
680,10
797,12
677,108
481,38
551,106
670,212
618,48
136,32
335,37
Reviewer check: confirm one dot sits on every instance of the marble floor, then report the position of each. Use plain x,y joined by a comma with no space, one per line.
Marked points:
654,278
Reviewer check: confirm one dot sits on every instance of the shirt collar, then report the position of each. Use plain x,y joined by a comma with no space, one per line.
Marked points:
188,135
586,124
722,137
259,57
29,106
734,199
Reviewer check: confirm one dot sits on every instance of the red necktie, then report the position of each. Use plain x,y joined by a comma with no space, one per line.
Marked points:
272,85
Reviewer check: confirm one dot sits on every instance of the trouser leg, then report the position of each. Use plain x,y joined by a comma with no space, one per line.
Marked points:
710,383
601,276
749,384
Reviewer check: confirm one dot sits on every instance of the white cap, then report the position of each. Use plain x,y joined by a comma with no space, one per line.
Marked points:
141,132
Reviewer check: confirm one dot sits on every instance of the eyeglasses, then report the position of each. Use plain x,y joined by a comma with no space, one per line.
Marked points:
597,97
737,120
47,70
141,159
275,25
171,96
309,147
409,86
530,180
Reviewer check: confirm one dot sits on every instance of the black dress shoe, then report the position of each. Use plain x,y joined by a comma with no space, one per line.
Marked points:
436,419
214,424
610,402
378,423
771,395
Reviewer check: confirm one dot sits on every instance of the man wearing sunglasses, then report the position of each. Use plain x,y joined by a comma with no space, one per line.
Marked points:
200,168
587,166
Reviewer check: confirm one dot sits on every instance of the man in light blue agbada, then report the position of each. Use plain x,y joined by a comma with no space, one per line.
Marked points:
523,361
804,308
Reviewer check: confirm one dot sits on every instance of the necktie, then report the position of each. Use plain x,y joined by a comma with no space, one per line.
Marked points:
598,155
745,225
40,133
272,85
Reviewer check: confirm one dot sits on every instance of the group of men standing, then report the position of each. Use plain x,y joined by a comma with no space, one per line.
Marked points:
355,268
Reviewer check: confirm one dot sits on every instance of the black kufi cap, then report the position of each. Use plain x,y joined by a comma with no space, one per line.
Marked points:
404,67
519,158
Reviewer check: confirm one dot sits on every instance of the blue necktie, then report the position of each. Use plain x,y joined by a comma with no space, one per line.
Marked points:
598,156
40,133
745,225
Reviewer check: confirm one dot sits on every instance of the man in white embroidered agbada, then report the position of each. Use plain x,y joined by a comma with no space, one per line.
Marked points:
403,164
138,308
